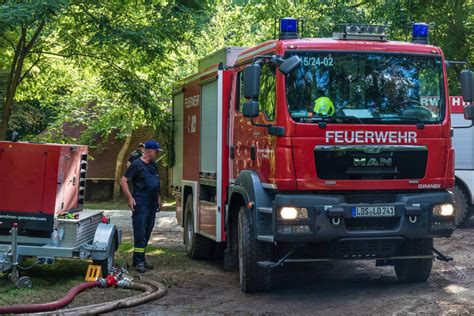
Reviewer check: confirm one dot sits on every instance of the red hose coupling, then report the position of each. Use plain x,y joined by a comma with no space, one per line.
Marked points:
111,280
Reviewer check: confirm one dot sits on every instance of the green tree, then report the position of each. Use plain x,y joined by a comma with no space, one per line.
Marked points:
22,25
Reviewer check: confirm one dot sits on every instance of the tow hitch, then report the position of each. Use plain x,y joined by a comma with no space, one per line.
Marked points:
442,257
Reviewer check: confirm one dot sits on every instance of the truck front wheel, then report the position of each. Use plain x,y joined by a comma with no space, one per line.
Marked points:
197,246
415,270
253,278
461,206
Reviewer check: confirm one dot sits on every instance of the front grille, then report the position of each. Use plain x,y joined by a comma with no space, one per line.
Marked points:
370,162
365,224
365,248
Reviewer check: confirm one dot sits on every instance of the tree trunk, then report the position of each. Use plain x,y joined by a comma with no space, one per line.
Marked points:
118,165
12,84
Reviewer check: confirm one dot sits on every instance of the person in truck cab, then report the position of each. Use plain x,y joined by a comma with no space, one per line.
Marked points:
145,200
323,106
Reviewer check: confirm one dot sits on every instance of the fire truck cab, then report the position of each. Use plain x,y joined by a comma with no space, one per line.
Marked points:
317,149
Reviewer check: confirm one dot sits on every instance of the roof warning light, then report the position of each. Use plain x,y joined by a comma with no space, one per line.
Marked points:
289,28
420,32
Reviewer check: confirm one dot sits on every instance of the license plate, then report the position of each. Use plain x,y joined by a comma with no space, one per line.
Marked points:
373,211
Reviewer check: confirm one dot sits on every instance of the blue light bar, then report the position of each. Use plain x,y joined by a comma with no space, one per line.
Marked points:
289,25
420,32
289,28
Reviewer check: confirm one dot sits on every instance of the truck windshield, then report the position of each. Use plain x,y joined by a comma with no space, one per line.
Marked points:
366,88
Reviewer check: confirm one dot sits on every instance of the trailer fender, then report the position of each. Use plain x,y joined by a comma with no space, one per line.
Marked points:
101,246
250,188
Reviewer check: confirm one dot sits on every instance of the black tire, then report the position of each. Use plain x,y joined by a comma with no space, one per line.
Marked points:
415,270
253,278
197,246
107,263
461,206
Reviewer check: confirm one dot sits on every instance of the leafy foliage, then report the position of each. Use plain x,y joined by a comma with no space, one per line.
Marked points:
109,66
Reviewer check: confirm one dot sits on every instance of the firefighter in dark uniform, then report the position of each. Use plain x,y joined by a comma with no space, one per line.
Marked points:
145,200
136,154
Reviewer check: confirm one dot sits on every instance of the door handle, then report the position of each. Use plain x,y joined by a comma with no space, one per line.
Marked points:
252,153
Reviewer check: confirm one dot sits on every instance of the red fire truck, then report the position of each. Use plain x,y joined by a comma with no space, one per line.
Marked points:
317,149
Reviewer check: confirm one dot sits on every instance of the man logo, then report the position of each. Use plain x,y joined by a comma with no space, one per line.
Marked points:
373,162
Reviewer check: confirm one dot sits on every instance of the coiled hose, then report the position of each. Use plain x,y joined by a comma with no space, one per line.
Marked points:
151,290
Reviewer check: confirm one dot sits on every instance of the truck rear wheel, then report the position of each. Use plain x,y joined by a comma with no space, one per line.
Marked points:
197,246
253,278
461,206
415,270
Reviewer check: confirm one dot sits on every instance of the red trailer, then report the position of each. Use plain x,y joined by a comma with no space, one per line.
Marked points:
42,190
316,149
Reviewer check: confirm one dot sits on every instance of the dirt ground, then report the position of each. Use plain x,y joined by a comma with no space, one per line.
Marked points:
203,287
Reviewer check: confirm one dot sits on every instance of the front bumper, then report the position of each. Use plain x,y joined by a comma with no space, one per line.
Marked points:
330,217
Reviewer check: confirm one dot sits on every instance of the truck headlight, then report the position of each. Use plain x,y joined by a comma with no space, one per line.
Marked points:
289,213
443,210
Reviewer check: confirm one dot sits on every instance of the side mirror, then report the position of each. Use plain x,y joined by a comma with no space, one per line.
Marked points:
467,85
252,81
250,109
469,112
290,64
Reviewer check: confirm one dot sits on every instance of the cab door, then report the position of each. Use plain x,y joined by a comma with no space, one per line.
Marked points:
252,148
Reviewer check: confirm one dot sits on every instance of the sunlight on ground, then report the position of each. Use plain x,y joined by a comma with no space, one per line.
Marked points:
455,289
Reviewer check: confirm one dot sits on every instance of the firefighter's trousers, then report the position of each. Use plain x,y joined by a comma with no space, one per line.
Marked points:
143,222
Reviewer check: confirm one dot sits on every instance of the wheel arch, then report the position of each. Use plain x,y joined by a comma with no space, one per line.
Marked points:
187,190
249,192
238,198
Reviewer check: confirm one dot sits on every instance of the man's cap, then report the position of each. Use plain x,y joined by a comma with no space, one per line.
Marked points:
140,145
152,144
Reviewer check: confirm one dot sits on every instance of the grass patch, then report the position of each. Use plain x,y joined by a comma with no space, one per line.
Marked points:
163,256
107,205
51,282
168,204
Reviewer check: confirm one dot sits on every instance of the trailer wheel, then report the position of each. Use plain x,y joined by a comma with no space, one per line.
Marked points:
415,270
197,246
253,278
107,263
461,206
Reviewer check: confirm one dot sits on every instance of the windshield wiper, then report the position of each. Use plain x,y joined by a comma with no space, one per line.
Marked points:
333,118
395,119
343,118
419,123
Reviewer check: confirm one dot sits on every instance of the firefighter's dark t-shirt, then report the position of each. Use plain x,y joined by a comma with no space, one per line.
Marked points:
135,155
136,173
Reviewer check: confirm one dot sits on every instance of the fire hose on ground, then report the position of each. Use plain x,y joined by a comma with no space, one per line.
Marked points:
151,290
